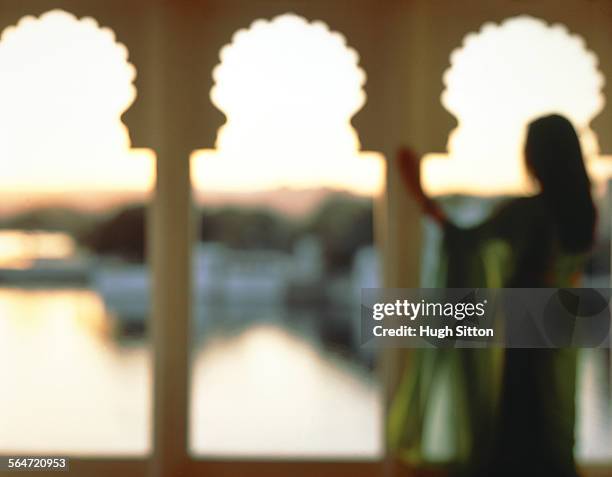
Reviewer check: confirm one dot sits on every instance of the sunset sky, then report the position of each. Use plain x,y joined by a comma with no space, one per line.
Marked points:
288,88
65,82
63,85
501,78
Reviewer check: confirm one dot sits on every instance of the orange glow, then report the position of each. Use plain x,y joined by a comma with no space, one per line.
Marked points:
19,249
289,384
71,391
64,83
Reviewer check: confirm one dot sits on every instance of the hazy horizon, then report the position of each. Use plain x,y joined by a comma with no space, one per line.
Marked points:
289,200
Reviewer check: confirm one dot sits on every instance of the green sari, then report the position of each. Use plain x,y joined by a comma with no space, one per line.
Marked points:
507,412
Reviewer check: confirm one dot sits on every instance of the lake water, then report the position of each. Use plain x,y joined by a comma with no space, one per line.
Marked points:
69,385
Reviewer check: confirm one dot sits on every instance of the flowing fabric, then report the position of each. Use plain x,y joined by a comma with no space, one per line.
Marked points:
511,411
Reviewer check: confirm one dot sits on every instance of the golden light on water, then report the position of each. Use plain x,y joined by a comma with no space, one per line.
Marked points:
69,389
307,403
19,249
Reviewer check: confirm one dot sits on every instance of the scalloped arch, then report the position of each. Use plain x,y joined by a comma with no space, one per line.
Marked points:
64,84
499,79
104,64
288,88
278,57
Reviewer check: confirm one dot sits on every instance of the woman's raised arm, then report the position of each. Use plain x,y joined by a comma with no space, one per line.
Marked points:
409,166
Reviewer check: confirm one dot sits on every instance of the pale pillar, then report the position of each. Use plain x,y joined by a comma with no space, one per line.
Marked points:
172,89
170,254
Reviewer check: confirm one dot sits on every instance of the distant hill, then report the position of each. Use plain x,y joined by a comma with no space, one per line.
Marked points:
260,220
85,201
122,233
341,222
73,222
293,202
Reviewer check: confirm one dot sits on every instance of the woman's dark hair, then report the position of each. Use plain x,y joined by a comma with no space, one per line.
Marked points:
554,157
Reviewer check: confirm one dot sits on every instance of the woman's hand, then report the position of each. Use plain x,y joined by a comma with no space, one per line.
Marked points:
409,166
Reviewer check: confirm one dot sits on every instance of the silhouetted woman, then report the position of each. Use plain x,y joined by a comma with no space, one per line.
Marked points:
547,237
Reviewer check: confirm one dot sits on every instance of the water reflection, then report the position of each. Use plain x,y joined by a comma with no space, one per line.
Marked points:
68,386
268,392
71,385
21,249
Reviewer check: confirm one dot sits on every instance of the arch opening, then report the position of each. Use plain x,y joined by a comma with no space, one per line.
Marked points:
286,207
64,84
500,79
65,164
288,88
